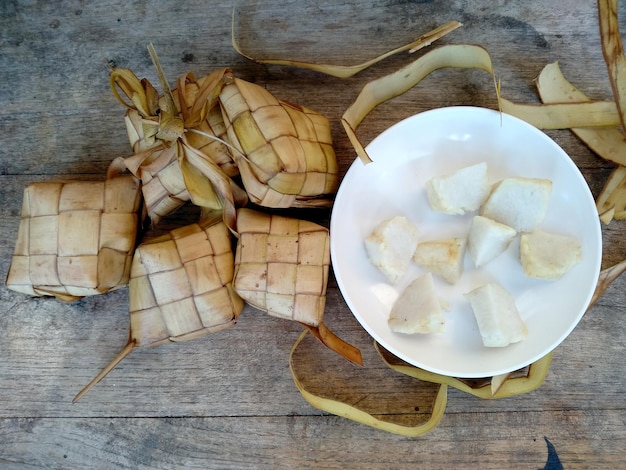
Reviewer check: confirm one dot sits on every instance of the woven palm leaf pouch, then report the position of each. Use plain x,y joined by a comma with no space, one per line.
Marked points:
281,267
284,151
161,128
181,285
75,238
180,289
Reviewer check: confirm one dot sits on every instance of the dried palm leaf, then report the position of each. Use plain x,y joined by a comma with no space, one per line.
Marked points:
608,142
206,131
607,276
281,267
520,381
564,115
613,52
320,376
392,85
611,202
343,71
180,288
75,238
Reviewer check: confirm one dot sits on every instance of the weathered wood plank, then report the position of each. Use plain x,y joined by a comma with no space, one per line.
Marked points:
492,441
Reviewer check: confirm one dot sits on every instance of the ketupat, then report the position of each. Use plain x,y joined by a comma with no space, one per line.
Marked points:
75,238
180,288
163,149
285,154
282,152
281,267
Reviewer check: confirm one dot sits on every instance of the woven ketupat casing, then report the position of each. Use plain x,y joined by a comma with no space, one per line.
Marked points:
191,92
282,265
75,238
289,158
154,138
181,285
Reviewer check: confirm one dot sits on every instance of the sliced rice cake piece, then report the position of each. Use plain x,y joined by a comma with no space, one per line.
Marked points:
546,255
391,245
487,239
463,191
444,258
497,316
417,309
520,203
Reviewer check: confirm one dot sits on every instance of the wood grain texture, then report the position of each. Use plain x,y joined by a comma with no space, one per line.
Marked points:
228,400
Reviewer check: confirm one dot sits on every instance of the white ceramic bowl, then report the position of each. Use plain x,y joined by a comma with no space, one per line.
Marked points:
439,142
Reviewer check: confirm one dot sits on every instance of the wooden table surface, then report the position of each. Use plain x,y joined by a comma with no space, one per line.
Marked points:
228,400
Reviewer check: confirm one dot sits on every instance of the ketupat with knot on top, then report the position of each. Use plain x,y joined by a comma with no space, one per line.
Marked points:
174,163
192,142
